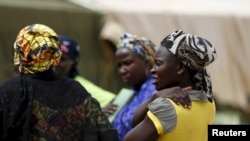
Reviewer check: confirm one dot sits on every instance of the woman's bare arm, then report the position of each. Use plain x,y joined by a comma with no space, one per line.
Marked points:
144,131
177,94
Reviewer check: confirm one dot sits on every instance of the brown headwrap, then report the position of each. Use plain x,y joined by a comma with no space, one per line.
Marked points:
195,53
36,49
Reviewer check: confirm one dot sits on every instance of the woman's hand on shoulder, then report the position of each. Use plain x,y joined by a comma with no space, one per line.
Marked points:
177,94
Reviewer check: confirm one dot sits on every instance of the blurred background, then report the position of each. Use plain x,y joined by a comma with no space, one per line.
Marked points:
97,25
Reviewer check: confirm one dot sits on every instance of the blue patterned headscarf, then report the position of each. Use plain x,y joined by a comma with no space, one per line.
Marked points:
194,52
143,47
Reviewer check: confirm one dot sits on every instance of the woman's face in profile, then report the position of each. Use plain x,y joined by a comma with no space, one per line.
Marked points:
165,69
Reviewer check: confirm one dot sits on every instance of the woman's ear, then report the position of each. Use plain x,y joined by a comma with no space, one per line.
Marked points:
181,69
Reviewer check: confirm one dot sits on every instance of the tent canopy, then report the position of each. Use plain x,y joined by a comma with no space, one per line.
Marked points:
226,23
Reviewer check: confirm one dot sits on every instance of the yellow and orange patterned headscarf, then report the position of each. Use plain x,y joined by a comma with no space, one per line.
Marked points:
36,49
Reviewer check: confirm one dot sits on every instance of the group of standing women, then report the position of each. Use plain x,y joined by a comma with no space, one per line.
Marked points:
170,82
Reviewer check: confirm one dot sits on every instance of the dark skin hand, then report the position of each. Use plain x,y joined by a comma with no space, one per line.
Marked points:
109,109
177,94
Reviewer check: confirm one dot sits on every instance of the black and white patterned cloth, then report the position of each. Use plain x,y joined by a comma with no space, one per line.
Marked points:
194,52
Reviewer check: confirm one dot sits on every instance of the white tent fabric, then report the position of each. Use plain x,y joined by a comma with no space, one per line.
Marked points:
226,23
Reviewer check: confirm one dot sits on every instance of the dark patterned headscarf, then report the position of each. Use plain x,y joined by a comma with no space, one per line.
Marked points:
36,49
194,52
143,47
71,48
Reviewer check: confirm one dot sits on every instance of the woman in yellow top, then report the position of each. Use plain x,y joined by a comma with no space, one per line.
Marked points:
180,62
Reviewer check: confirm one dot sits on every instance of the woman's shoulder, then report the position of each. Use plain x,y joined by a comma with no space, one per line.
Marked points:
160,103
10,81
72,84
162,111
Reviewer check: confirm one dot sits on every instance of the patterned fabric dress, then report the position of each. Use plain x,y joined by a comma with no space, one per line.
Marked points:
39,105
30,109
